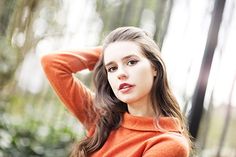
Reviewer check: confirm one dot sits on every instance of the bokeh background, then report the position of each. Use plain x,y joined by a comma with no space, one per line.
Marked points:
197,40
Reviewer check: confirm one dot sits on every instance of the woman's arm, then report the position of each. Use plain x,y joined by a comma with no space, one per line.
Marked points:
59,68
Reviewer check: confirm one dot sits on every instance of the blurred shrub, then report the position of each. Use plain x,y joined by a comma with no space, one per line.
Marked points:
31,129
42,140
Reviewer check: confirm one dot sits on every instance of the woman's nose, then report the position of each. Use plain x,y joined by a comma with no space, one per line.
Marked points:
122,74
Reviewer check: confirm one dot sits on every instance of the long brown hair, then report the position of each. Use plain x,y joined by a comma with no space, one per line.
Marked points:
112,108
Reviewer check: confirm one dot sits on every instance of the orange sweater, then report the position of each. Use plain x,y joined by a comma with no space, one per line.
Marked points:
137,136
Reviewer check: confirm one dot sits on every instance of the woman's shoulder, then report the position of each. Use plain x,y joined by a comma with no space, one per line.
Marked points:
168,144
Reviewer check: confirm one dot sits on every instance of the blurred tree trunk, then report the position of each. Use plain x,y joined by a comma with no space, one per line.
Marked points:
227,120
141,6
207,123
6,10
129,13
200,90
11,22
162,18
133,13
8,59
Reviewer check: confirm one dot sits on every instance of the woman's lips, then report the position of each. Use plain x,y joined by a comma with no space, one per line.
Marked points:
125,87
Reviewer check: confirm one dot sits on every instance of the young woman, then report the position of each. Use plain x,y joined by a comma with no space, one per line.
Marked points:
133,111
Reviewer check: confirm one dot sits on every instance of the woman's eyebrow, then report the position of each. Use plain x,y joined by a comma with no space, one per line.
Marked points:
108,64
124,58
129,56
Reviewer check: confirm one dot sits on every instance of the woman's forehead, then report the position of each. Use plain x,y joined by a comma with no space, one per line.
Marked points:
121,49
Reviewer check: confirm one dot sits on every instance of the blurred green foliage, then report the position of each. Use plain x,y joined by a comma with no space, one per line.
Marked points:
26,130
18,141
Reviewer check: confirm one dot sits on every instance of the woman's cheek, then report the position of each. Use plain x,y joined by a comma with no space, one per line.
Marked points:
112,84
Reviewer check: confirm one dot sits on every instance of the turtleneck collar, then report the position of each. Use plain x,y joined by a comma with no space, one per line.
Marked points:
161,124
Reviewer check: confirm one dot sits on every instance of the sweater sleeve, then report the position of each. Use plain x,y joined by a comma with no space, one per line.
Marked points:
169,146
59,68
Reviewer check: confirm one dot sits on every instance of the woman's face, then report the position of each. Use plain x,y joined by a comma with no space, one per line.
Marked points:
130,73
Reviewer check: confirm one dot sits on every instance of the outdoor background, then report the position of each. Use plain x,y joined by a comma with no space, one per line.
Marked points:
197,40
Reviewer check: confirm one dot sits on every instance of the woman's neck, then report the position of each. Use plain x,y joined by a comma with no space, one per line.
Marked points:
142,109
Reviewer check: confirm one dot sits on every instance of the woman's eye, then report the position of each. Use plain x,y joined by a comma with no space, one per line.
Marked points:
132,62
111,69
